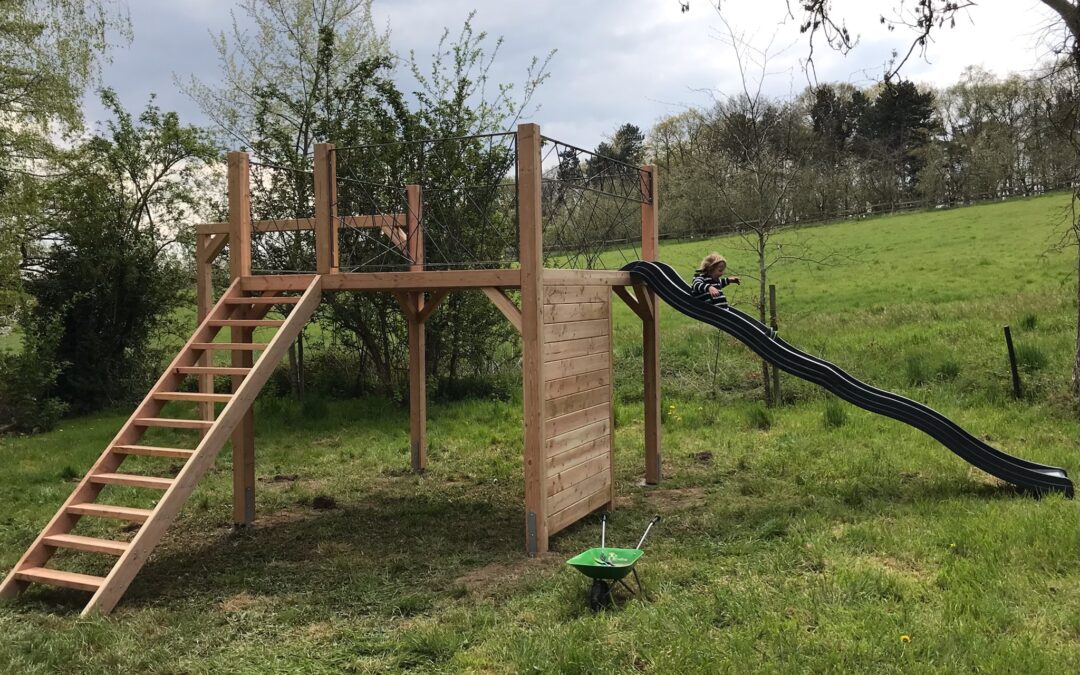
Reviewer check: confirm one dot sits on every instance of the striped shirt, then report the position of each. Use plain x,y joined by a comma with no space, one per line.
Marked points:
701,284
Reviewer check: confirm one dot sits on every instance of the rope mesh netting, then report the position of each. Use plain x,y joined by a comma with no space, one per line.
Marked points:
591,208
282,193
468,208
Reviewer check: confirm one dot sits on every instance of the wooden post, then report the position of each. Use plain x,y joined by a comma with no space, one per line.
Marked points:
1012,364
414,237
325,208
650,336
776,328
243,438
204,300
531,243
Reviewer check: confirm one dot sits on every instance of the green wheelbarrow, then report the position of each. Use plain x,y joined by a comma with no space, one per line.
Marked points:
610,566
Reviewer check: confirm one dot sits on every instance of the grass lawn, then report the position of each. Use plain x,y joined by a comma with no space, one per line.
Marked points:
855,546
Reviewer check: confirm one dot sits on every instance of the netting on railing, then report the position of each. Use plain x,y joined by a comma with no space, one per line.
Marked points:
282,193
468,209
591,208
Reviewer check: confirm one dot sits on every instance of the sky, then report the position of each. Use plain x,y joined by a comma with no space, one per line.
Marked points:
616,61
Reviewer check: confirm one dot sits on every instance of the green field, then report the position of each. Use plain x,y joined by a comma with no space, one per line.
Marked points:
853,545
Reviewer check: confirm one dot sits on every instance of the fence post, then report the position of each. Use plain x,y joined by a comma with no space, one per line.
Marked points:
414,238
243,438
1012,363
325,208
650,245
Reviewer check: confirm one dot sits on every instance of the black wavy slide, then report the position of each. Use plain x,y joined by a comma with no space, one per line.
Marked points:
670,287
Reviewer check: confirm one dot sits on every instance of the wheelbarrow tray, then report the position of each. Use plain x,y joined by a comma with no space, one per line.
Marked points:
606,563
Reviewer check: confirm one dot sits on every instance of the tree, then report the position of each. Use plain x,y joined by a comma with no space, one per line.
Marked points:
110,272
50,51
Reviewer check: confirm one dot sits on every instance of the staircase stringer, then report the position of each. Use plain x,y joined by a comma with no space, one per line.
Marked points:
168,507
85,491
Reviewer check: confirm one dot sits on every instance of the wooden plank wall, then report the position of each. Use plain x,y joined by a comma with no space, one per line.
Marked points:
578,415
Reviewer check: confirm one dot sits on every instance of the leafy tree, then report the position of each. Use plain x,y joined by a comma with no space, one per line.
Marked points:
110,274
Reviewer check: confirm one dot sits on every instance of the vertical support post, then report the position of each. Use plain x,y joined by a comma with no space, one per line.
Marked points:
776,329
650,337
325,167
531,256
1017,393
204,300
414,237
243,438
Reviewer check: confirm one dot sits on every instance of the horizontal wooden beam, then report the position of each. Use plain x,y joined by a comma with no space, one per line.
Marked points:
380,221
587,277
375,281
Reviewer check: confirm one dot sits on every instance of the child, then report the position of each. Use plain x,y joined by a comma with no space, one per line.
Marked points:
707,284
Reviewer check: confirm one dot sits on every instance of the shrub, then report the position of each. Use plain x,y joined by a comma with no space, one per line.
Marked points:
27,385
759,417
835,413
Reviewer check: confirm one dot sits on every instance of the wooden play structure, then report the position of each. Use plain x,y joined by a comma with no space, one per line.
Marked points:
564,319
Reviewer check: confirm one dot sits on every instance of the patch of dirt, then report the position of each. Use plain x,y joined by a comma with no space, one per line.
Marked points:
676,498
280,517
702,457
239,602
490,579
323,503
280,478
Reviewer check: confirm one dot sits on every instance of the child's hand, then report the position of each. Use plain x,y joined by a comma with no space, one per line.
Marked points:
734,280
714,292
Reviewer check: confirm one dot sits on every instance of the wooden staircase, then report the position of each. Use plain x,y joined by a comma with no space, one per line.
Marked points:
233,310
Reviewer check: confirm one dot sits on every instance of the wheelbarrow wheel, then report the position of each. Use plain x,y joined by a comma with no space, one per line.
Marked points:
599,595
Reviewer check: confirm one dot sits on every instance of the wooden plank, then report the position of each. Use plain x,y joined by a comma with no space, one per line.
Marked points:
171,502
191,396
565,386
412,240
611,409
556,295
630,300
578,365
247,323
556,332
565,405
566,349
230,346
568,478
578,419
573,439
212,370
578,510
44,575
504,305
265,300
591,485
531,256
89,544
422,281
325,188
216,245
132,480
578,454
650,244
239,175
580,311
172,423
586,277
306,224
153,451
109,511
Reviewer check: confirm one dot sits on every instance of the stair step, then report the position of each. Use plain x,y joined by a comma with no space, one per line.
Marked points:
211,370
264,300
230,346
153,451
132,480
192,396
44,575
172,423
108,511
91,544
246,323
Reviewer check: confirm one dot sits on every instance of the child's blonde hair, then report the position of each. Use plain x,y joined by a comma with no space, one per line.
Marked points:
711,261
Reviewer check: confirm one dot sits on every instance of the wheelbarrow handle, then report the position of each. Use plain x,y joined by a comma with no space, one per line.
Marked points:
603,528
656,519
